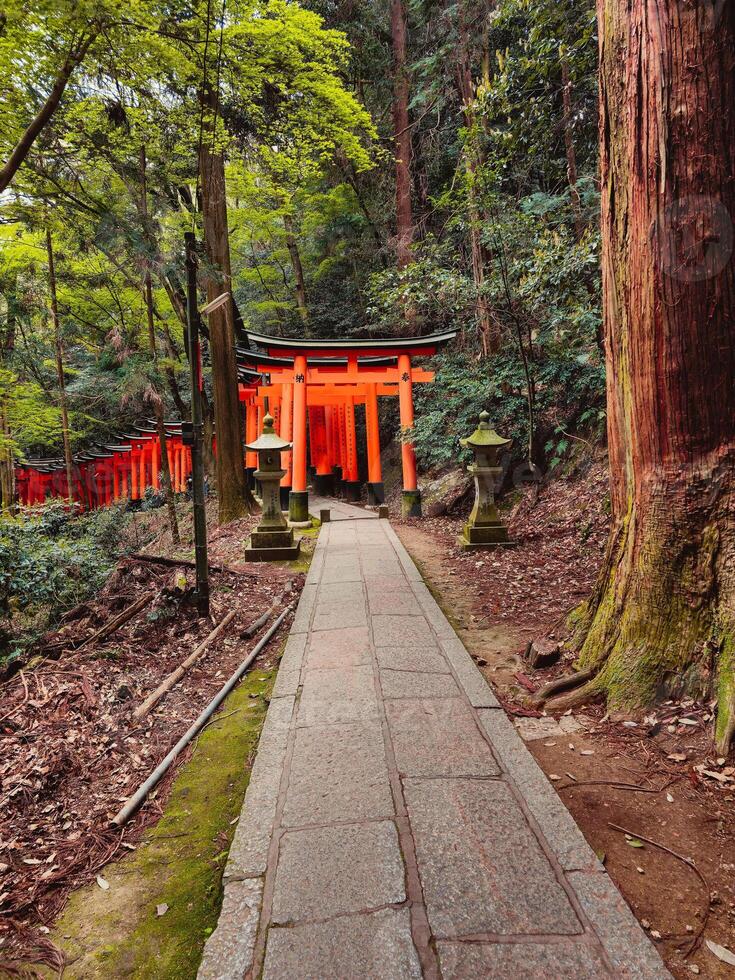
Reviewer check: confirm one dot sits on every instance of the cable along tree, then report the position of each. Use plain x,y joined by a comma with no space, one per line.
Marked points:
661,621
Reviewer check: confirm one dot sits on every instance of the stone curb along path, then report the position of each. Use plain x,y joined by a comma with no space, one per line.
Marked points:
395,825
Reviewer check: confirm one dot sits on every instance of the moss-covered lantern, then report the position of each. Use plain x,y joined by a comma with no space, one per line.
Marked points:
484,529
273,539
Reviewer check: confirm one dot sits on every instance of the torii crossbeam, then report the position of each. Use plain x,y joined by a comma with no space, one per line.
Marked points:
312,387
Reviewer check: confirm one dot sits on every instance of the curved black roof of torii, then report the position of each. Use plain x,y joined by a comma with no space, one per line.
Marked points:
386,345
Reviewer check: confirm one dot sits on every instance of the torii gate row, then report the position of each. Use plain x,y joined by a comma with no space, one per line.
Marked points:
323,381
113,472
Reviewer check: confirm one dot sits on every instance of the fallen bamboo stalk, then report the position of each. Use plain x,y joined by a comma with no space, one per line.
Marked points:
253,628
118,621
155,777
175,676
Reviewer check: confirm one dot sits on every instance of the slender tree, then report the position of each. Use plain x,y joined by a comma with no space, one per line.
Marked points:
662,617
58,347
168,491
402,135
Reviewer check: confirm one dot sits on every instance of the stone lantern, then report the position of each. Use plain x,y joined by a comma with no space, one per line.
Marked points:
484,529
272,540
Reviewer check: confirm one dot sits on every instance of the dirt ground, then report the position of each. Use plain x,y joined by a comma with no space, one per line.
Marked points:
652,775
72,752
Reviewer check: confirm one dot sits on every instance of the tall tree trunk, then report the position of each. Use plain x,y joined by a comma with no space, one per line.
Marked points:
63,404
566,93
662,618
235,500
168,490
402,135
487,323
298,269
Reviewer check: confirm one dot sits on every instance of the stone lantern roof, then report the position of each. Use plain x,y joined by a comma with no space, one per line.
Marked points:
269,439
484,436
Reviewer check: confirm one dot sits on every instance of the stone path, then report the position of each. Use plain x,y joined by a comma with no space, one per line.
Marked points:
395,825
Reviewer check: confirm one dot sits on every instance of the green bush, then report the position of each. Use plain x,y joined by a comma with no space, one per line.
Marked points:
50,560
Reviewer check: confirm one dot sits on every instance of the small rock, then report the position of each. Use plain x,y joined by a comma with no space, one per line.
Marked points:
542,653
645,923
693,968
655,934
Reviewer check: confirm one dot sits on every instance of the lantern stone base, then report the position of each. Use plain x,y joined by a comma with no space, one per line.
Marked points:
484,537
272,546
376,493
411,503
298,508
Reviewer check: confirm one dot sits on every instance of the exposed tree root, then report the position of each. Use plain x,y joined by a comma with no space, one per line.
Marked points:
726,729
563,684
591,691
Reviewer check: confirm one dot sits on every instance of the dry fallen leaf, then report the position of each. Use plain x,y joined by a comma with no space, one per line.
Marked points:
161,909
721,952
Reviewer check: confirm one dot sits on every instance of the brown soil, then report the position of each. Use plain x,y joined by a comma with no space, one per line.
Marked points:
72,752
498,601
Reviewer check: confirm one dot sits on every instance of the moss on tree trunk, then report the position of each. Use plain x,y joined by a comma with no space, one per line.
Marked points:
662,617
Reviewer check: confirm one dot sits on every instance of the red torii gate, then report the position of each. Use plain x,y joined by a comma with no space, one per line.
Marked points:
323,380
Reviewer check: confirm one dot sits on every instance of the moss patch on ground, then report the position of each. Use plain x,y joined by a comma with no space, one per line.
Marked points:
117,932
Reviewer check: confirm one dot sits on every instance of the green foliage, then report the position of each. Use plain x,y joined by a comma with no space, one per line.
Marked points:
50,560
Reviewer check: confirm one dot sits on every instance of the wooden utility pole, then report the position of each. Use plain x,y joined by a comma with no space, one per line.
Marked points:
197,461
60,367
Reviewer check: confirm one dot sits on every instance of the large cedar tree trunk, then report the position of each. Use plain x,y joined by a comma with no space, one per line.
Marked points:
662,618
233,496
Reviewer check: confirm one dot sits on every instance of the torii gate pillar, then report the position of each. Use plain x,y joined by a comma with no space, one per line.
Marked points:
298,504
376,491
411,502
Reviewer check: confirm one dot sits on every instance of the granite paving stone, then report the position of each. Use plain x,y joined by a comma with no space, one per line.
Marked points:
631,952
410,658
327,871
374,946
437,737
410,631
293,653
393,602
472,682
348,647
337,615
228,953
482,870
338,774
521,961
382,741
561,832
417,684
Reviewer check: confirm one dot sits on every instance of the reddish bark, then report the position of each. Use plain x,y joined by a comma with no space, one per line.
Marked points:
402,135
663,614
234,499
